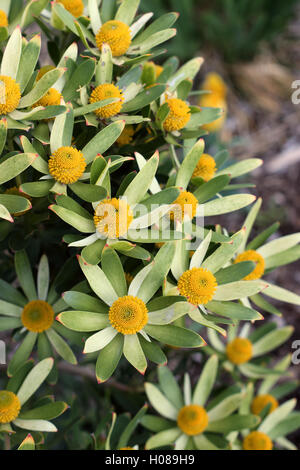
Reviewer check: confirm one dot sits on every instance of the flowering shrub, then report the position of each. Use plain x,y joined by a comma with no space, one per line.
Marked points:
107,256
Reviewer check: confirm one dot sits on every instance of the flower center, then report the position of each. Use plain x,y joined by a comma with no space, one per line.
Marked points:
206,167
257,440
103,92
66,165
259,269
178,116
198,285
3,19
75,7
113,217
184,206
37,316
9,406
239,350
128,315
192,419
261,401
116,34
10,94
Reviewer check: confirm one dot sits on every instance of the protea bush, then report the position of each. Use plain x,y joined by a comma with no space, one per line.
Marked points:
117,288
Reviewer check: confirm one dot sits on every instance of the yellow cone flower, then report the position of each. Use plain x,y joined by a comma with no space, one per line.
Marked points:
10,94
126,135
116,34
128,315
251,255
113,217
239,350
75,7
66,165
103,92
257,440
178,116
185,206
198,285
261,401
37,316
9,406
192,419
206,167
3,19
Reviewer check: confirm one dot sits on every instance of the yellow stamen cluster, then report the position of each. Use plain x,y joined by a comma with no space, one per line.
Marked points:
37,316
75,7
113,217
126,135
116,34
178,116
257,440
9,406
198,285
66,165
192,419
239,350
259,269
3,19
184,206
214,82
103,92
51,98
15,191
10,94
251,255
216,99
261,401
128,315
206,167
43,70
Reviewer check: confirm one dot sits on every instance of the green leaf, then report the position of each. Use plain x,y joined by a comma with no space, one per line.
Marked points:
187,71
233,423
128,431
152,351
81,301
38,188
49,411
225,408
103,140
34,379
84,320
12,53
143,99
80,223
281,294
139,186
3,133
206,381
233,310
35,425
98,282
170,387
271,340
238,290
242,167
24,273
14,204
127,10
41,87
28,61
189,164
61,347
43,278
33,9
4,214
113,269
274,418
81,77
134,353
27,444
15,165
92,253
208,190
279,244
160,402
227,204
109,358
224,253
175,336
161,23
88,192
236,272
88,108
62,130
153,41
163,438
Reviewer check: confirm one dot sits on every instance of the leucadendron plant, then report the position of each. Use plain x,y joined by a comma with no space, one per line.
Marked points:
113,257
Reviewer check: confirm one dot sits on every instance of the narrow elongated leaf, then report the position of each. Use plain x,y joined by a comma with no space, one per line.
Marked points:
34,379
12,53
15,165
103,140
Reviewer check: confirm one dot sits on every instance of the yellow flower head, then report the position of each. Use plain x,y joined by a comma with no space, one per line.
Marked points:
103,92
116,34
128,315
3,19
10,94
9,406
185,205
261,401
126,135
239,350
66,165
126,448
158,68
75,7
192,419
37,316
43,70
178,116
257,440
51,98
198,285
113,217
259,269
206,167
15,191
214,83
